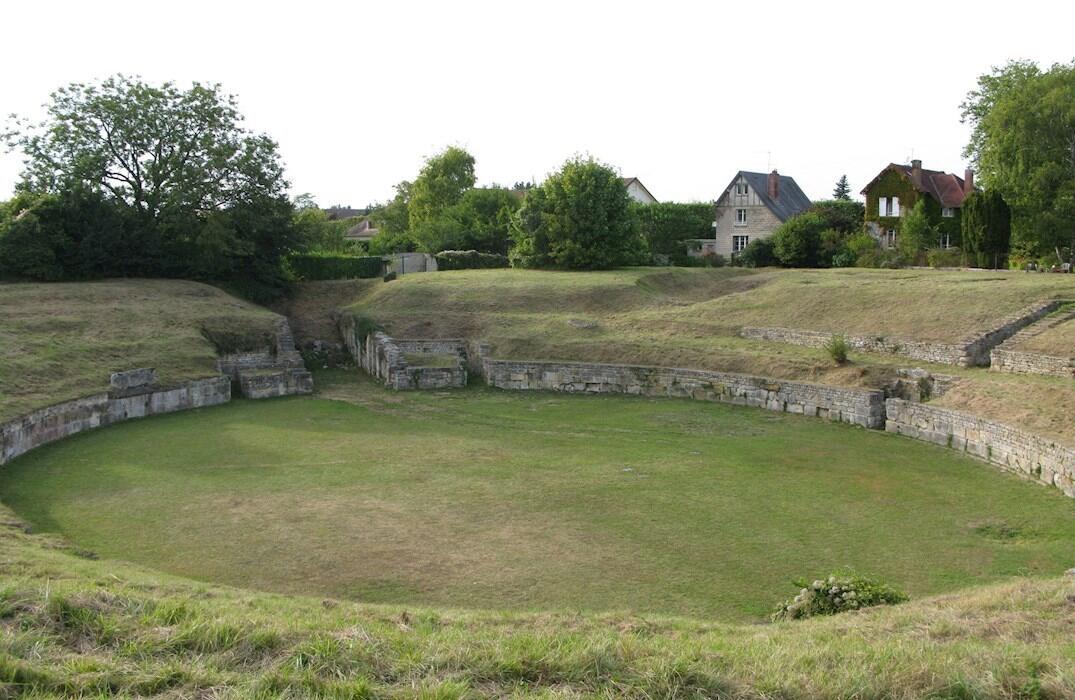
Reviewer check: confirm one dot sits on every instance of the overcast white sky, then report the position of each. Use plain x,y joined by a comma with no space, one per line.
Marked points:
680,94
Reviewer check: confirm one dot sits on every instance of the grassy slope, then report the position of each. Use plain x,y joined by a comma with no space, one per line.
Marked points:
1058,339
75,627
490,499
689,318
61,341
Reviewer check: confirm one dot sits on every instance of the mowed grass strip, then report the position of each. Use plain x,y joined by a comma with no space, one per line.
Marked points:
497,500
61,341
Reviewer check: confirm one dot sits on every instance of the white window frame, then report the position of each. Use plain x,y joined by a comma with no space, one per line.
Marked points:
946,240
741,220
948,212
890,238
739,243
741,189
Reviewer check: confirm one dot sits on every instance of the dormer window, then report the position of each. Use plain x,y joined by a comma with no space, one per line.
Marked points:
741,188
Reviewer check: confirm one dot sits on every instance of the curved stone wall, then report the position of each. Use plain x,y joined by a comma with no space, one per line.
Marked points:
856,406
1012,449
58,421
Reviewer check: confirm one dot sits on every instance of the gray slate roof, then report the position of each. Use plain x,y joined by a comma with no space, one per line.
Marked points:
790,199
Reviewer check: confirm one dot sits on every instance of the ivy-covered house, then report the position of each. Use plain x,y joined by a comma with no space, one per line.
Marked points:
895,191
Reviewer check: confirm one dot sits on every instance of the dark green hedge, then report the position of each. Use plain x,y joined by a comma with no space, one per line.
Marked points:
335,267
469,260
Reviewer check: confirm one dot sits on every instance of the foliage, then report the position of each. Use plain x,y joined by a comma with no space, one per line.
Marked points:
469,260
987,227
797,242
944,257
386,243
916,233
668,226
706,260
318,234
200,196
844,216
837,348
579,218
758,253
1022,121
440,184
480,220
326,266
840,592
842,191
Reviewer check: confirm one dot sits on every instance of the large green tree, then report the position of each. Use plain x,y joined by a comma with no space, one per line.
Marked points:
1023,145
440,184
204,196
579,218
797,241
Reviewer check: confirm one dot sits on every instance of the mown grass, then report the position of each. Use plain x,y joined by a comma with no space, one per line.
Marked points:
502,500
1058,336
61,341
73,627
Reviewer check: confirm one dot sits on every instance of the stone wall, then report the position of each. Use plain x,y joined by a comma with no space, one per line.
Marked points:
52,423
1009,358
855,406
268,383
972,351
1018,362
1014,450
385,358
277,370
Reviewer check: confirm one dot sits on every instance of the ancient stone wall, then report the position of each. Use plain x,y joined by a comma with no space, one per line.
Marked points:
855,406
1015,450
972,351
273,371
1018,362
385,358
60,420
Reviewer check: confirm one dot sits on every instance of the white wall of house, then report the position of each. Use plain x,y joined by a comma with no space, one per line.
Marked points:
639,193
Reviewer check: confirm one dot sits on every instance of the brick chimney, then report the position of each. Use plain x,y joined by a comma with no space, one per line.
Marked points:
916,172
774,185
968,181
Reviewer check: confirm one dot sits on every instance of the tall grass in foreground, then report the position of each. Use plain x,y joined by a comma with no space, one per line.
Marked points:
79,628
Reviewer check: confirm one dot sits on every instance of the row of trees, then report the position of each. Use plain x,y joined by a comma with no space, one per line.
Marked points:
579,218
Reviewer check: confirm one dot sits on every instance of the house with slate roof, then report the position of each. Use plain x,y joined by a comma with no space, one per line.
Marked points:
896,190
751,208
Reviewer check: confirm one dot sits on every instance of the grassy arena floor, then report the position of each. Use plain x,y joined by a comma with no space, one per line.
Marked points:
486,499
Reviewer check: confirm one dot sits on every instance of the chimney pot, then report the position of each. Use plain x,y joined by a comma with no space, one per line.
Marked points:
774,185
916,172
968,181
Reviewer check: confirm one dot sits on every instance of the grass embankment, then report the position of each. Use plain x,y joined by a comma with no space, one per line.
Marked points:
61,341
73,627
488,499
691,318
1057,337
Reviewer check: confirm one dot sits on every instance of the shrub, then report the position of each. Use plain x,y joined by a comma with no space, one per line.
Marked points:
312,266
944,257
837,348
758,253
578,219
797,242
838,593
469,260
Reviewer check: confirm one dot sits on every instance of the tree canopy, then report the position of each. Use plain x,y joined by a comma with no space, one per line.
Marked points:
1023,145
842,190
194,194
579,218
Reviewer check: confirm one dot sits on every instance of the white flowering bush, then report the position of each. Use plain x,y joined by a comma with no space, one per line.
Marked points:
838,593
